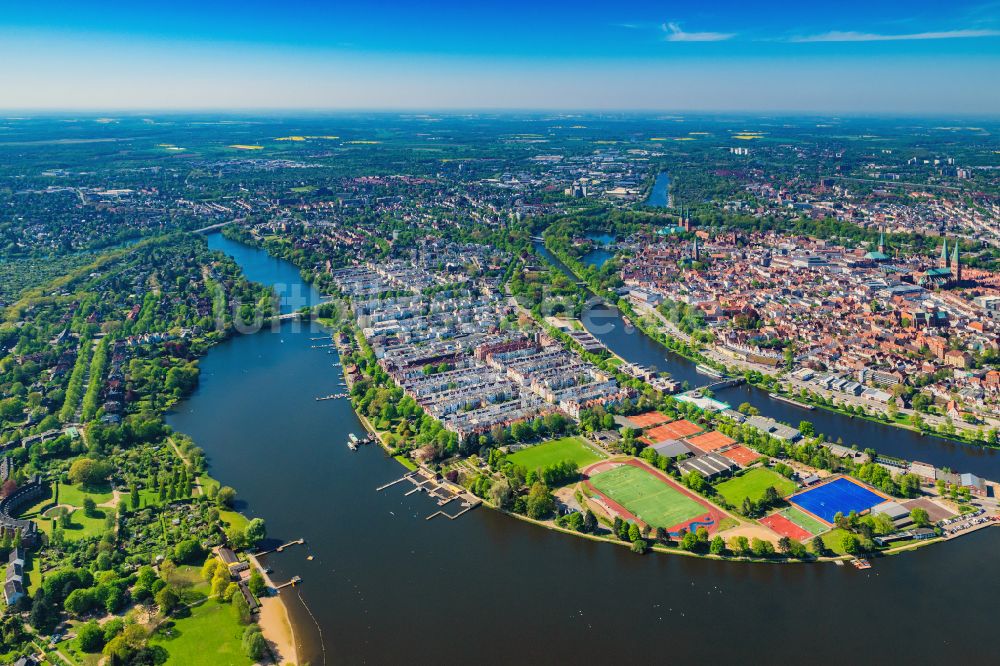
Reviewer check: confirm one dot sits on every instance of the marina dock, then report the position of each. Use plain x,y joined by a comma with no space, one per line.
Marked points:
443,491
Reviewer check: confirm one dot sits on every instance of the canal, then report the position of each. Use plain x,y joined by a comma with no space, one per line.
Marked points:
388,586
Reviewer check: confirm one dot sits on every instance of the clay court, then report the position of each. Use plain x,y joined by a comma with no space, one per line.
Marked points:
647,419
711,441
741,455
784,527
672,430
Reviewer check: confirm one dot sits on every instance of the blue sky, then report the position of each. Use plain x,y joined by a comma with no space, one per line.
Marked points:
849,56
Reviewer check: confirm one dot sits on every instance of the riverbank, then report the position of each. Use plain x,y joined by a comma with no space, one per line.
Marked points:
276,626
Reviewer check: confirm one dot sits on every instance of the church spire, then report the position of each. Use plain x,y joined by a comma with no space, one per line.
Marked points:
956,268
943,260
881,241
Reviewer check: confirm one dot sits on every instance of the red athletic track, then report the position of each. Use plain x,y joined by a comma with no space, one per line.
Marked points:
712,514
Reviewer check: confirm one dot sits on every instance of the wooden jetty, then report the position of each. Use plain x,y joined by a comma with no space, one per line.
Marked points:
322,346
292,583
281,548
392,483
444,492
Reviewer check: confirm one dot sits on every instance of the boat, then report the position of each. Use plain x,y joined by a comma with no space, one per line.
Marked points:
352,442
711,372
781,398
861,563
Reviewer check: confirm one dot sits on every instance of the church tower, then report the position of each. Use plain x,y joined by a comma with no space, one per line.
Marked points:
881,241
943,259
956,267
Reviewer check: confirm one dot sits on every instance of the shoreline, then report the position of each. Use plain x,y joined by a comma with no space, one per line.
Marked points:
276,625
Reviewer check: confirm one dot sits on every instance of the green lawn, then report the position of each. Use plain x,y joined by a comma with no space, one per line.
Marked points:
554,451
753,484
833,540
649,498
209,635
81,526
804,520
234,519
75,494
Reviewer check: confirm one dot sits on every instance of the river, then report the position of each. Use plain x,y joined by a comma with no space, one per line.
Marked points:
388,586
659,196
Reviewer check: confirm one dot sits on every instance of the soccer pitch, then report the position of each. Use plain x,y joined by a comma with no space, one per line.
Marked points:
752,485
652,500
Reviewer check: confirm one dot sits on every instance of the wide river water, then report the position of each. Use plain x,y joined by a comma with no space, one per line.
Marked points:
387,586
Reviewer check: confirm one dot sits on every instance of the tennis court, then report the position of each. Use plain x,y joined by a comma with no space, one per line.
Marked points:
672,430
711,441
647,419
842,495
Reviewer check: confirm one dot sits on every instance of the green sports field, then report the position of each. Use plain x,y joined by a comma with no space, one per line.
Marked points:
753,484
554,451
651,499
805,521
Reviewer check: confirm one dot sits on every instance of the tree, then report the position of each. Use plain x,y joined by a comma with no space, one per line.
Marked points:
920,517
851,544
256,584
689,541
44,617
501,494
639,546
589,522
717,546
208,569
255,532
541,503
253,643
90,637
807,428
634,533
88,472
241,609
89,507
188,550
226,497
219,581
167,600
785,545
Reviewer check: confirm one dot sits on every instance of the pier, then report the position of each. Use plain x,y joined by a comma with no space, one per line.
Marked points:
445,492
281,548
392,483
292,583
334,396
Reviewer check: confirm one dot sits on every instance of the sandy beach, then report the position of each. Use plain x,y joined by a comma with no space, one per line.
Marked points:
277,630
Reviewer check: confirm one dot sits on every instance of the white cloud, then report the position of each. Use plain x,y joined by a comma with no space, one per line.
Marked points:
852,36
676,34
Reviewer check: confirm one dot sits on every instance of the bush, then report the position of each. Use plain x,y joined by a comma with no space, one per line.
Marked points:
254,645
90,637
